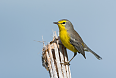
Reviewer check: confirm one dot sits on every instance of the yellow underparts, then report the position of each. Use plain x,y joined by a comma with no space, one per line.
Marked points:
65,39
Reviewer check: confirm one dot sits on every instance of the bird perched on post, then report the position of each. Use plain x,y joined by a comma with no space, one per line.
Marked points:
71,39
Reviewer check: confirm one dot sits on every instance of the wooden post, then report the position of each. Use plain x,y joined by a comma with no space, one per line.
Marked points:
52,56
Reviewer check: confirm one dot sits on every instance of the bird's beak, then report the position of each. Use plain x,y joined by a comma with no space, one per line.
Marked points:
55,22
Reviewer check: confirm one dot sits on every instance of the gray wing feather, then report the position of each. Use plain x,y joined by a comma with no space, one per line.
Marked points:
78,46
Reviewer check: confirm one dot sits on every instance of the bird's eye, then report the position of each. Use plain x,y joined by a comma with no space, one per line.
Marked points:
63,23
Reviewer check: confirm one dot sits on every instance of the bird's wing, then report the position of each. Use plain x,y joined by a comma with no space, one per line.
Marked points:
78,46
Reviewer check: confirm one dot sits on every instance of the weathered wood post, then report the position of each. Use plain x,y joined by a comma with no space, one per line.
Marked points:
53,55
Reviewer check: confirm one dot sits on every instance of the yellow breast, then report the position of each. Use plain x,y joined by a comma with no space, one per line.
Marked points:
65,39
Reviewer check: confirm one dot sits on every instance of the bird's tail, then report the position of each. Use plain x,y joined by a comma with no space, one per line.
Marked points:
86,48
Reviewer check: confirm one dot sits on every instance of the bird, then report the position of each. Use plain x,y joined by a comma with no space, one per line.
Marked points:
72,40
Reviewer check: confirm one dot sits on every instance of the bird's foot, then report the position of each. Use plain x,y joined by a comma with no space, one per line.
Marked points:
66,63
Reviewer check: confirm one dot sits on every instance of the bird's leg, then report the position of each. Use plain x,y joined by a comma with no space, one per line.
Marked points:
67,63
73,56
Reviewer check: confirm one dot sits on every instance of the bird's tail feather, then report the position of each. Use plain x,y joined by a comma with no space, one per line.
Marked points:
86,48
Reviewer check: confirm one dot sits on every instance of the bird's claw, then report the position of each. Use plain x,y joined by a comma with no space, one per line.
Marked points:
66,63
